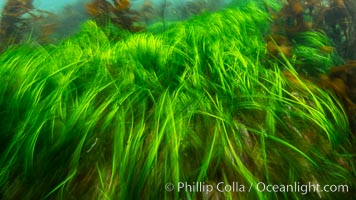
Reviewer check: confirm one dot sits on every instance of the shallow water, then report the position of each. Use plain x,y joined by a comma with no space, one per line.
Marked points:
142,106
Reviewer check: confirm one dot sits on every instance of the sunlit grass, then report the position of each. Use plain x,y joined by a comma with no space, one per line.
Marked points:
95,118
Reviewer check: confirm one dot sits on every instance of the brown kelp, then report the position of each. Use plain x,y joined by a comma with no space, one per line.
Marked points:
14,21
324,28
334,17
341,80
22,22
54,27
117,12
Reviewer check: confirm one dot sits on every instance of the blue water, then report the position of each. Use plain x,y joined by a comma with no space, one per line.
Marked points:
49,5
57,5
54,5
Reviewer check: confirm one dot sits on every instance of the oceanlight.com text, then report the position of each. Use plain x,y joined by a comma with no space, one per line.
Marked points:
202,187
301,188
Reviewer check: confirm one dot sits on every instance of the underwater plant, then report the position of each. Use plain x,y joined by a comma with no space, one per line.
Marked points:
337,21
326,30
62,24
21,22
13,23
341,81
96,118
117,12
333,17
325,55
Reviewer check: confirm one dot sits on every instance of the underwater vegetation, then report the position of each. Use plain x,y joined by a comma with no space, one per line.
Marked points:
13,22
300,27
21,22
325,29
341,81
117,12
334,17
111,113
120,13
